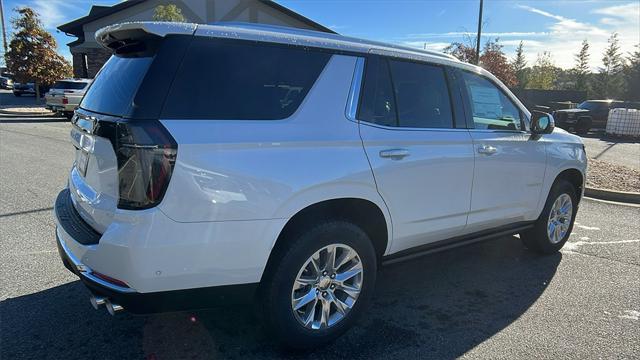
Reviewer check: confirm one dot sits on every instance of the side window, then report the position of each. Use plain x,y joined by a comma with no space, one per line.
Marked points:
491,108
422,95
242,80
377,104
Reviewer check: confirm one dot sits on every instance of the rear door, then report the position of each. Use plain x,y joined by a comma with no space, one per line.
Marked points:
510,162
422,163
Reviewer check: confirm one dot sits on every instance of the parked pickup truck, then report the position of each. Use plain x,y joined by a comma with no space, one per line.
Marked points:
65,95
589,114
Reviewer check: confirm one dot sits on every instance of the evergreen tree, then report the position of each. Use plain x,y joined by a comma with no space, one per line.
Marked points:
632,76
519,65
610,78
581,69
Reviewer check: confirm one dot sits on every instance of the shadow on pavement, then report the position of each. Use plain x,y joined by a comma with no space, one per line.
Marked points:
437,306
601,135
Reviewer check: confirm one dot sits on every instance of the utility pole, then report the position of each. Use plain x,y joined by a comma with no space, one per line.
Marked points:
479,34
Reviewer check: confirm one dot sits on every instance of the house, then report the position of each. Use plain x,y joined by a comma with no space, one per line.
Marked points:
88,56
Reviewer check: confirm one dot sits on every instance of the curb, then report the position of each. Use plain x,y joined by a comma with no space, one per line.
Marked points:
612,195
26,114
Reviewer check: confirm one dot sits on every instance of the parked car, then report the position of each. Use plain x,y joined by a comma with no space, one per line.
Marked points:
6,83
204,177
20,89
589,114
65,95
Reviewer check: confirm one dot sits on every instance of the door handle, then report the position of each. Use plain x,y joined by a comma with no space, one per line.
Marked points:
395,154
487,150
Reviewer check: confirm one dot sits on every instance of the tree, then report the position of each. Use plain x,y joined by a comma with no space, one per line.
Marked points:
581,69
519,65
495,61
462,52
543,73
168,13
609,80
632,76
32,55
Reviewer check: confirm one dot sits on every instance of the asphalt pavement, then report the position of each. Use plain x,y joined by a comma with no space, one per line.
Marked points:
490,300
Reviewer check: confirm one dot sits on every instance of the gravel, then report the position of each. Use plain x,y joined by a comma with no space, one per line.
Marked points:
605,175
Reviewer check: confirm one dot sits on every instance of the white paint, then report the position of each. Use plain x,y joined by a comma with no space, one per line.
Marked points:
572,246
631,315
588,227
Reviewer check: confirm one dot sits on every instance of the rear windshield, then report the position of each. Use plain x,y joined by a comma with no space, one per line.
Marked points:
241,80
69,85
113,89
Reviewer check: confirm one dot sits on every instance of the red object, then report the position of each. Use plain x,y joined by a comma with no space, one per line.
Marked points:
65,101
109,279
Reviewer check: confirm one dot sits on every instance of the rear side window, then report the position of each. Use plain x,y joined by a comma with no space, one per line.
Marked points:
422,95
116,84
405,94
237,80
69,85
377,104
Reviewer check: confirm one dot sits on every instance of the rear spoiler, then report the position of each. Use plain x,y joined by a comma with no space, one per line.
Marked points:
121,36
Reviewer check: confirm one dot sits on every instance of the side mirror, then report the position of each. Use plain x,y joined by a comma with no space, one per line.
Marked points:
542,123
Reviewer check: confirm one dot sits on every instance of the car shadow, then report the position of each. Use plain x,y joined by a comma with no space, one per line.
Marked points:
602,135
437,306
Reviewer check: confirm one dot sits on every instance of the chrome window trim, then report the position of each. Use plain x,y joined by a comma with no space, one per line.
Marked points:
354,92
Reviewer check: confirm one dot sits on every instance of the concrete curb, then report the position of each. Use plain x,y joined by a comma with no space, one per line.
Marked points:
26,114
612,195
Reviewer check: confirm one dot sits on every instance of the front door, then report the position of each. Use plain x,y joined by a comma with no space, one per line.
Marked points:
510,163
422,165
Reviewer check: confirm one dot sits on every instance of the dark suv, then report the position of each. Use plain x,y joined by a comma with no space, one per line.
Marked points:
589,114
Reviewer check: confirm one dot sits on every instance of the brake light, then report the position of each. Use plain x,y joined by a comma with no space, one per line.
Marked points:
146,155
65,101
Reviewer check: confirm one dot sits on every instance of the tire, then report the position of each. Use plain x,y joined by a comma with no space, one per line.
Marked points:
583,126
538,238
68,114
286,324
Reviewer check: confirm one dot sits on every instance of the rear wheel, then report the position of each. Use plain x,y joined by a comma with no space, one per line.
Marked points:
552,229
323,281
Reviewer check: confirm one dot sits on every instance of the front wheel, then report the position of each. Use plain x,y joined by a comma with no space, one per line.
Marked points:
321,284
552,229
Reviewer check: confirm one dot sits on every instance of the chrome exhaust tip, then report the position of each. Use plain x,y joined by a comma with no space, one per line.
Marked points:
113,308
96,301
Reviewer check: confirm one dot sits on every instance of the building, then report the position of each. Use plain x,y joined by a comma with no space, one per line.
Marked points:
88,56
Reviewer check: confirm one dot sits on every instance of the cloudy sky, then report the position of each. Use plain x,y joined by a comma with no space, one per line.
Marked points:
557,26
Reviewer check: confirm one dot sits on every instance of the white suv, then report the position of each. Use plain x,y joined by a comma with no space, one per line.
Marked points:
225,163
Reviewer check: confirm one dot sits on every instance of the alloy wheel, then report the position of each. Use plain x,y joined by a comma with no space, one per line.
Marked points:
327,286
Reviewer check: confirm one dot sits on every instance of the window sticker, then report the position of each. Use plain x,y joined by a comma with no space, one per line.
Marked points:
486,102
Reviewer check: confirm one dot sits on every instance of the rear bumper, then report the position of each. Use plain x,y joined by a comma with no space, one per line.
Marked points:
163,301
162,273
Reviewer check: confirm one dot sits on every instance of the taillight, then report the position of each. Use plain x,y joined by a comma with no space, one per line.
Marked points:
65,101
146,155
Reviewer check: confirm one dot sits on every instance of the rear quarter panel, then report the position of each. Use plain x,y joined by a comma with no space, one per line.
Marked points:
271,169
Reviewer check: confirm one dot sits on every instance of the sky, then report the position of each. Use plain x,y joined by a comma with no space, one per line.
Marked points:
557,26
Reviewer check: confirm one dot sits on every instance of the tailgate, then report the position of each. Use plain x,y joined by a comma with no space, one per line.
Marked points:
93,181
